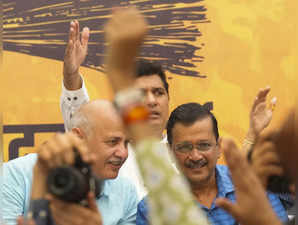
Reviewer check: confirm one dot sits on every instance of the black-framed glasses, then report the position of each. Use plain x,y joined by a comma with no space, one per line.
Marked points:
187,147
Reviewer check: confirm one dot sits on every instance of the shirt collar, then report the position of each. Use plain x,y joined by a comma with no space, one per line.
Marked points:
223,180
105,188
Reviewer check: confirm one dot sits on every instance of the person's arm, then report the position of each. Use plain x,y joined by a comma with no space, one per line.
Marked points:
13,194
252,206
74,93
70,102
259,118
125,33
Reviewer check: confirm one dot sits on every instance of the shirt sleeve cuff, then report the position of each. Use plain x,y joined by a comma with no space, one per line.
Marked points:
75,97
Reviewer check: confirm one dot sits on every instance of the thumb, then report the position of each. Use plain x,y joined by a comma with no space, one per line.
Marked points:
272,104
228,206
92,202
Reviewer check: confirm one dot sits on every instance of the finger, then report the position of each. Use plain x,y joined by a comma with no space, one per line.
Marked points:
271,171
81,147
56,152
69,208
68,50
77,30
20,220
231,153
233,156
67,156
72,30
92,202
261,97
85,38
62,216
262,148
258,100
264,92
271,158
228,206
44,155
272,104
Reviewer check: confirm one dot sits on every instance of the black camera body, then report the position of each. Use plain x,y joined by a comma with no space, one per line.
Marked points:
73,183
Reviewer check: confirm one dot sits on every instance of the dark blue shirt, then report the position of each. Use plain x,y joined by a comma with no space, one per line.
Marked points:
215,214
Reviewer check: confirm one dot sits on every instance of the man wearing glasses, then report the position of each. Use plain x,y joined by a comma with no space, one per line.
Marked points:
193,138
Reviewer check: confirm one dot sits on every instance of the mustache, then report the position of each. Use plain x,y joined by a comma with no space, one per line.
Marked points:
116,162
191,164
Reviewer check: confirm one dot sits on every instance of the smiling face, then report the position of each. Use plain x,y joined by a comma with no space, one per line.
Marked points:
106,139
157,100
198,165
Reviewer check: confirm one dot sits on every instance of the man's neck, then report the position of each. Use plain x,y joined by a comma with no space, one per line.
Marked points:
205,192
158,132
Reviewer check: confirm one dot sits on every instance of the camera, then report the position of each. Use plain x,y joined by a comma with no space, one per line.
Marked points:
72,183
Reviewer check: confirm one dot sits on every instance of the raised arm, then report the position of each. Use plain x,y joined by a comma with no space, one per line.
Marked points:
74,93
125,33
259,118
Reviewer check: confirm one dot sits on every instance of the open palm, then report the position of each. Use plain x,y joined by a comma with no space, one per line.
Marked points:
76,49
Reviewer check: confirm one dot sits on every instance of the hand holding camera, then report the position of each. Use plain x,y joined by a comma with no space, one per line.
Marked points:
54,153
63,170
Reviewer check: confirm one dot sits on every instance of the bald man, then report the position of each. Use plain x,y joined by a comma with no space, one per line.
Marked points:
99,126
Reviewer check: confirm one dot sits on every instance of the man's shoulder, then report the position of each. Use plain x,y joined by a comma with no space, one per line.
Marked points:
119,185
223,171
21,165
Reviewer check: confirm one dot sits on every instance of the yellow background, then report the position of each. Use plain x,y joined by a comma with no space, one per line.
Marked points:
248,44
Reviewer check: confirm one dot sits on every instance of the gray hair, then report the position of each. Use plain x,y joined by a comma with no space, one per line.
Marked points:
80,120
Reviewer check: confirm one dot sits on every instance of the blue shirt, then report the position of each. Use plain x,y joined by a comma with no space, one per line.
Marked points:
117,203
215,214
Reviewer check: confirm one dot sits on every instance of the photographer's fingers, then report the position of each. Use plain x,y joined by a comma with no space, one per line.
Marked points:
22,221
81,147
228,206
71,213
92,202
45,155
67,153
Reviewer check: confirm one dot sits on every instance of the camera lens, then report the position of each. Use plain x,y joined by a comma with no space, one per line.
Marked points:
68,183
61,180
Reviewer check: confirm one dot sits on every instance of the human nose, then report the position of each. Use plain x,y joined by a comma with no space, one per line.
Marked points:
195,154
151,99
121,151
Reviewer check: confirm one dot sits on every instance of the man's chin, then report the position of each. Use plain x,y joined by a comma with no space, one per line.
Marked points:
112,175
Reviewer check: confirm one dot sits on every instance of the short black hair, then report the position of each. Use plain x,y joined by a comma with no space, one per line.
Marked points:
148,68
188,114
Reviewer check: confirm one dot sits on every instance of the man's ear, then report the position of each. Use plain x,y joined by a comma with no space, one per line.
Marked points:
78,132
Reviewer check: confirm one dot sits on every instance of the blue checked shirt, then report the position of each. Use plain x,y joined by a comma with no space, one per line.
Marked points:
216,215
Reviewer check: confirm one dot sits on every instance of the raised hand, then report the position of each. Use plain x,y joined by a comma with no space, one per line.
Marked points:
260,114
75,54
124,33
252,206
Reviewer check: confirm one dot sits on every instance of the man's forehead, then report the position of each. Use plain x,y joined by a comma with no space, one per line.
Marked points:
149,82
200,130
